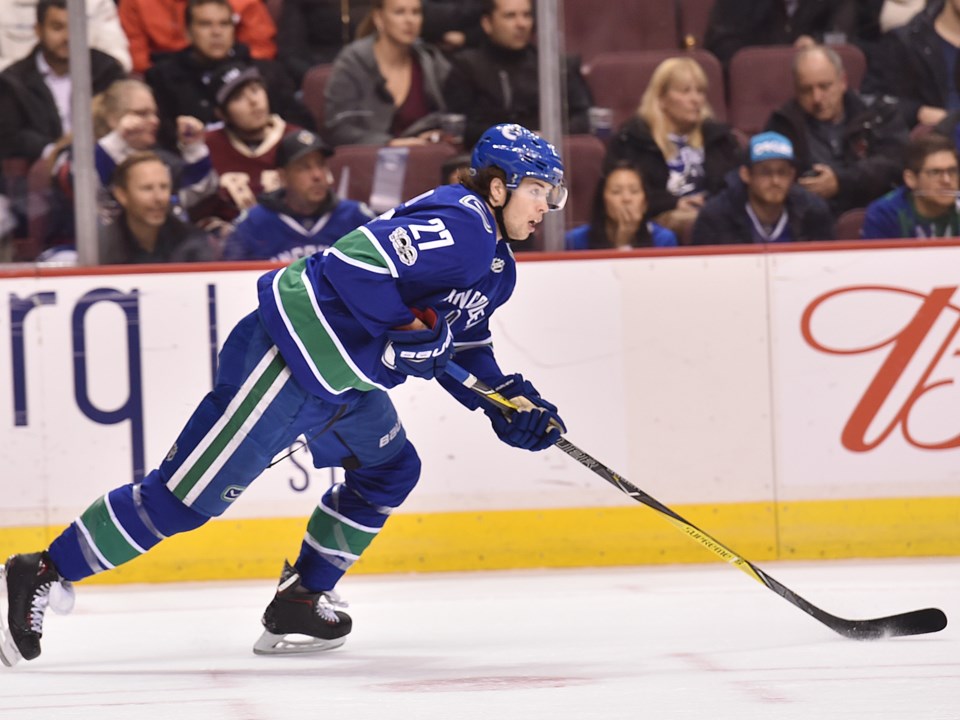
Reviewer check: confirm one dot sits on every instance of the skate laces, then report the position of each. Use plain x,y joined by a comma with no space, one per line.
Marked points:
326,605
57,595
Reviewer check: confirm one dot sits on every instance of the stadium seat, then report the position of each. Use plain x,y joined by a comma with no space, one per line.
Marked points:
313,87
760,80
618,79
353,167
849,224
693,17
583,161
592,27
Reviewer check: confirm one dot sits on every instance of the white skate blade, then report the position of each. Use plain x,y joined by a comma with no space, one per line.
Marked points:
293,644
9,655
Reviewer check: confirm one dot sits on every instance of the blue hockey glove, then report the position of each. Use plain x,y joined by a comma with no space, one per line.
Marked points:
421,353
529,429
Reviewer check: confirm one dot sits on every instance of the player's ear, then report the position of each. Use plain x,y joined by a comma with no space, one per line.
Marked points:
498,192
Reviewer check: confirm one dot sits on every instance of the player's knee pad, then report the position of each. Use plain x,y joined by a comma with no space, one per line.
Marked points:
163,509
387,485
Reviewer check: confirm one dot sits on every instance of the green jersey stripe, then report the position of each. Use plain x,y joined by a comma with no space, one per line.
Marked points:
320,347
109,540
337,536
360,248
219,447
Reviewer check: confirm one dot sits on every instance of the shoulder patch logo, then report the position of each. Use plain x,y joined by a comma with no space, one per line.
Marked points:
406,250
497,265
476,204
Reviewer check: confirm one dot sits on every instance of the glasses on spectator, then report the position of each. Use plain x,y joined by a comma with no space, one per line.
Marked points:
950,173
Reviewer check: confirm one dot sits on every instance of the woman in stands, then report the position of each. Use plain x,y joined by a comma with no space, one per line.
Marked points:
618,218
385,88
682,152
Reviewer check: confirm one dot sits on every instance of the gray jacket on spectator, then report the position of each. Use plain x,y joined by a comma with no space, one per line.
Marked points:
360,109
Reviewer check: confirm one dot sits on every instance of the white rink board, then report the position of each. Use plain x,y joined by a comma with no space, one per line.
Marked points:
669,369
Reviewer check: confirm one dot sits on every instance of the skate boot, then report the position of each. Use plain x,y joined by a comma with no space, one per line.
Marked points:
33,584
311,618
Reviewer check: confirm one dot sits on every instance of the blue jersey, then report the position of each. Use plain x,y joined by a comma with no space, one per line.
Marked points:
270,231
328,313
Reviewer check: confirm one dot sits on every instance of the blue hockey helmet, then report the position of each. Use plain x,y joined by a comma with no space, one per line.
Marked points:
521,153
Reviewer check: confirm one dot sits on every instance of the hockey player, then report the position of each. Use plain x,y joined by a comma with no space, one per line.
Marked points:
332,333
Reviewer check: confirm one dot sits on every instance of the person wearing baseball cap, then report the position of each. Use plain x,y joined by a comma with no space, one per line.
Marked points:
303,215
762,201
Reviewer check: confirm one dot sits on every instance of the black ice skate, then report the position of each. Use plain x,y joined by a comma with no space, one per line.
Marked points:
310,617
33,584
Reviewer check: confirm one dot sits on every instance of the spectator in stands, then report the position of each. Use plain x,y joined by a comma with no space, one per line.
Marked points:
499,80
18,36
35,119
801,23
681,150
157,28
452,24
386,88
763,203
313,32
848,151
917,63
147,230
184,83
618,216
925,206
242,148
304,215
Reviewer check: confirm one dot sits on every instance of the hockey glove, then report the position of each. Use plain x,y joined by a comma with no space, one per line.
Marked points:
536,427
421,353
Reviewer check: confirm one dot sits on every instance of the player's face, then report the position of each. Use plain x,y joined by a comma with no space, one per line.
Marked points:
53,34
146,198
936,185
623,194
510,25
683,101
769,181
819,87
211,30
248,109
400,20
307,179
527,206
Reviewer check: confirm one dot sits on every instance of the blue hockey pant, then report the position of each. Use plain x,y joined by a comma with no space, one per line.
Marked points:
255,411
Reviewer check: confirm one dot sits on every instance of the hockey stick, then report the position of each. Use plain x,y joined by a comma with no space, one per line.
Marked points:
916,622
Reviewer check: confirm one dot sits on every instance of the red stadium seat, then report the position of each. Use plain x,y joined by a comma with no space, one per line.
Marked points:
761,80
593,27
617,80
849,224
355,165
583,164
313,87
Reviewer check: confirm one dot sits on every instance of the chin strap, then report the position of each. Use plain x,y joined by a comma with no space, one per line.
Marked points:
498,214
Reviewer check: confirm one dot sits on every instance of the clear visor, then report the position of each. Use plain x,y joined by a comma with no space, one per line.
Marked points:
555,196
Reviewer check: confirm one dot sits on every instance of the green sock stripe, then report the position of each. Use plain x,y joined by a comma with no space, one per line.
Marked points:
227,434
331,533
327,357
106,536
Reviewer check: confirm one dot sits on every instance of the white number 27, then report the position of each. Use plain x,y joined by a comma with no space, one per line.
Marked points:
436,227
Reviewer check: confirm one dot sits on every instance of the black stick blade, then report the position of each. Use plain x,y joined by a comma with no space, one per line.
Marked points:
917,622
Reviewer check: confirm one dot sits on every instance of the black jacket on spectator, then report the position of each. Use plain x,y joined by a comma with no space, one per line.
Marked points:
634,142
312,32
874,138
723,219
491,84
734,24
183,84
29,120
908,63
